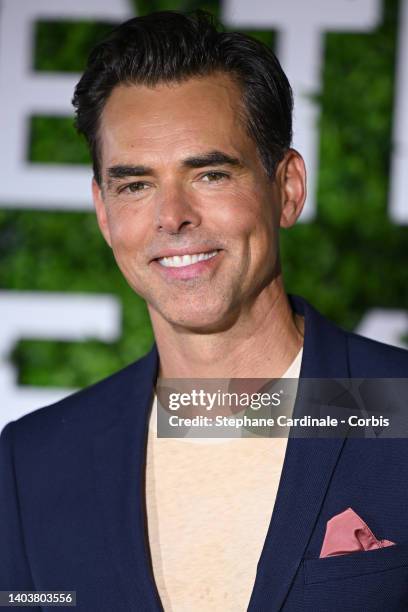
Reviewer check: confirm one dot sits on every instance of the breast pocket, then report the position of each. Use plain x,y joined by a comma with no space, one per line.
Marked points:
373,581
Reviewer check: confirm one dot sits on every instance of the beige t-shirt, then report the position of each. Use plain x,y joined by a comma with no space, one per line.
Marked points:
209,504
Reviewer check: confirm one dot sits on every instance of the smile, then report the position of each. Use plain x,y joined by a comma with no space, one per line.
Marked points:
178,261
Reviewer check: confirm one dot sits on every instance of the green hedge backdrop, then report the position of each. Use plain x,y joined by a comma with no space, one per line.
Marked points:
349,259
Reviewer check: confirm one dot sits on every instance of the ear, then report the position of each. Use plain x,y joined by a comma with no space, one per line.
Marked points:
101,213
291,175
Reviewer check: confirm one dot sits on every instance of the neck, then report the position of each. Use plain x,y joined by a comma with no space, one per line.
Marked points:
262,343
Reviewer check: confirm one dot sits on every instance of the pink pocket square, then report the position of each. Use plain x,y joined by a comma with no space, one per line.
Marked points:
346,533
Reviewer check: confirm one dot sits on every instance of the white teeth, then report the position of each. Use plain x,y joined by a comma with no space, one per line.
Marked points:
179,261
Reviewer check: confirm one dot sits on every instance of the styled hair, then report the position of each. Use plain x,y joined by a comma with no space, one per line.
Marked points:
168,46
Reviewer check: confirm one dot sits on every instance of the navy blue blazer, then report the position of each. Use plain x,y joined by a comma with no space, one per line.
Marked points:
72,513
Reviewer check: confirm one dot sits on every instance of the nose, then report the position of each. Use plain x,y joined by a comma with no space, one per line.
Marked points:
175,211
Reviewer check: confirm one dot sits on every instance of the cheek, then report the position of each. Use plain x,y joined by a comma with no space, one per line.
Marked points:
127,232
122,237
236,214
128,246
251,221
262,237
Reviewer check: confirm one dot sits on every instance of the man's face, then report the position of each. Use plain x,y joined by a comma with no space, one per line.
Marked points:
185,204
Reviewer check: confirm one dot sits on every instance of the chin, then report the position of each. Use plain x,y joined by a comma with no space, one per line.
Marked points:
200,320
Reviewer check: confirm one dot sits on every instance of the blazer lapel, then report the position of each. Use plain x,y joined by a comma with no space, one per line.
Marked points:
120,455
306,474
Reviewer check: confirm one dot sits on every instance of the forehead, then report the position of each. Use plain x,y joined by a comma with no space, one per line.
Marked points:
173,119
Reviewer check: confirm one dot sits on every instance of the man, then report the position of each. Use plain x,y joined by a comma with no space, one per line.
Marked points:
190,132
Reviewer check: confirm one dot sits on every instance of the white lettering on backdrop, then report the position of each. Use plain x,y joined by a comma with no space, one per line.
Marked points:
25,93
53,316
300,28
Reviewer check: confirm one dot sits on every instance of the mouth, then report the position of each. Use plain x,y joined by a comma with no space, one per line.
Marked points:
188,266
181,261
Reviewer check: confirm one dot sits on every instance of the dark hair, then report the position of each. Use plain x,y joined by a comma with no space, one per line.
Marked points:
169,46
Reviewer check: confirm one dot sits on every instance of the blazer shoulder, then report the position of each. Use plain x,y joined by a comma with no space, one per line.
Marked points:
372,358
91,404
334,349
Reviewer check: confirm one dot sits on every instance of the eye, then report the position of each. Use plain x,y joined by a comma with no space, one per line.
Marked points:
214,177
136,187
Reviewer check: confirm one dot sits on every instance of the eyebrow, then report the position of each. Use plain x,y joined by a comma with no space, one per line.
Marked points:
212,158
